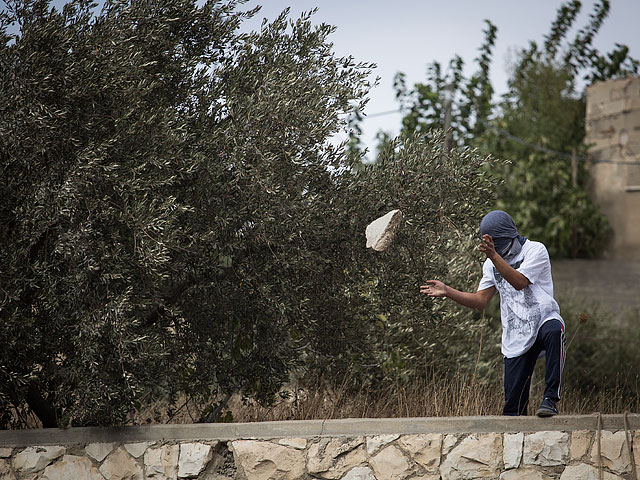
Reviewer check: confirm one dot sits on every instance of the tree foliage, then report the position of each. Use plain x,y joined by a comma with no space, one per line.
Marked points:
177,223
538,126
448,100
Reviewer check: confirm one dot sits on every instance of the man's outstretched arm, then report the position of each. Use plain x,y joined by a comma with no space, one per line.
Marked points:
478,300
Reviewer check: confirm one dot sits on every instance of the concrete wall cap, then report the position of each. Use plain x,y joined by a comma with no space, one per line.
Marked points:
311,428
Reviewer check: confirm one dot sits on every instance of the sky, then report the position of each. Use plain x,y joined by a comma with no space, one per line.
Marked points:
407,35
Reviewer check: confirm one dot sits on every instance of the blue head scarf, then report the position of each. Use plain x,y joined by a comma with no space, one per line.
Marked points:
503,231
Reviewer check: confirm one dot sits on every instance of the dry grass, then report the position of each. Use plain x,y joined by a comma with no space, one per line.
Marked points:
440,397
444,397
433,399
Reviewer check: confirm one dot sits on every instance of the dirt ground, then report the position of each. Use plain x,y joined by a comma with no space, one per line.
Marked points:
612,284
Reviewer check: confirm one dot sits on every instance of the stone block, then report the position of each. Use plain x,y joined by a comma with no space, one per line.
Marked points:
136,450
614,452
381,232
448,443
526,473
72,467
580,443
193,459
5,470
391,464
477,456
332,458
586,472
423,449
99,451
377,441
297,443
34,459
512,451
162,463
598,92
5,452
119,465
609,109
359,473
636,450
259,460
546,448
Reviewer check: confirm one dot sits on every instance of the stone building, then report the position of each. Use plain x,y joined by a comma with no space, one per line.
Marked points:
613,133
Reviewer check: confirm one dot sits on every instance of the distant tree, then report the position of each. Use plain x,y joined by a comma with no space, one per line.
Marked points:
449,101
176,223
538,126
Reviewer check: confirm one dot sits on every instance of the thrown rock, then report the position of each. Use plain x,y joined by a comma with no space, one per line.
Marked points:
381,232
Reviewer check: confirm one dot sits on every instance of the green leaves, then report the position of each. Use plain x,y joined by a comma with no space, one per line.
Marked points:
163,224
536,126
177,223
448,100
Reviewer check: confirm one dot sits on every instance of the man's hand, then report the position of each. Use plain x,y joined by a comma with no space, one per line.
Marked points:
479,300
487,247
510,274
435,288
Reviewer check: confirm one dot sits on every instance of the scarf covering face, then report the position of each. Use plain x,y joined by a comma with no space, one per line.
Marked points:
504,233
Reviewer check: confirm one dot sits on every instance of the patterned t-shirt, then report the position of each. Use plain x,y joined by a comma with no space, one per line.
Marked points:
523,311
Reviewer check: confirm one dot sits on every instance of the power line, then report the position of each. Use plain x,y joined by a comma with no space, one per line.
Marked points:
380,114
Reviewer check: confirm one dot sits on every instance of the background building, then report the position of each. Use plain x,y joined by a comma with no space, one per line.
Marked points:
613,133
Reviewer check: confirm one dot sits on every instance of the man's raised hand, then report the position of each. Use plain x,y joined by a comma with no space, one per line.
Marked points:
487,246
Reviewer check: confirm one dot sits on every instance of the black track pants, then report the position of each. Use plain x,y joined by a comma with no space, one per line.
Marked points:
518,370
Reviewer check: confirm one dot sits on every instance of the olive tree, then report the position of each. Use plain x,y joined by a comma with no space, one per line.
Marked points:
178,222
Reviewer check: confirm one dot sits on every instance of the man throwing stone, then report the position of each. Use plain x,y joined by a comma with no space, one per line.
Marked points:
520,270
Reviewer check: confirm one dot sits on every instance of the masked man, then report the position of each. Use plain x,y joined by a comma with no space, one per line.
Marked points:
520,270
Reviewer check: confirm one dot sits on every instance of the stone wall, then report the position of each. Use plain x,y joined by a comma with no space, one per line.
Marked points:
613,133
420,449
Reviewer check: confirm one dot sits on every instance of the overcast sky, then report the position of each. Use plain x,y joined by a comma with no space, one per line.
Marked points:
406,35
